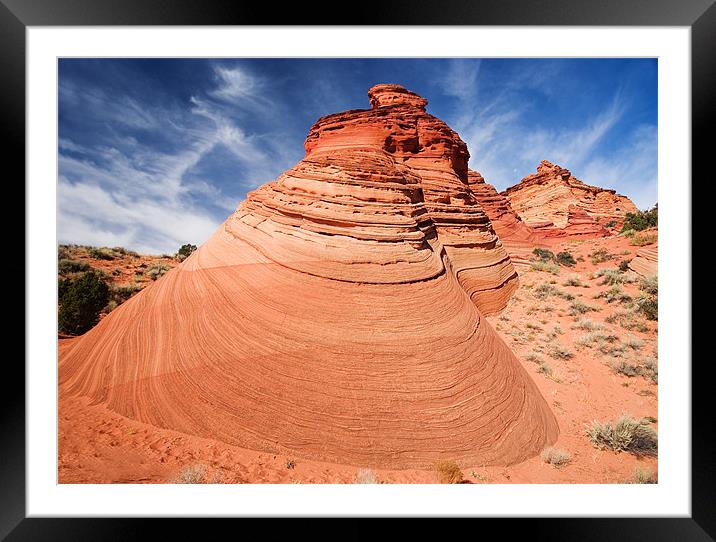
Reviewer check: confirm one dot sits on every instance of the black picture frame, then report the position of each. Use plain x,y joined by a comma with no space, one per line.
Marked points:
16,15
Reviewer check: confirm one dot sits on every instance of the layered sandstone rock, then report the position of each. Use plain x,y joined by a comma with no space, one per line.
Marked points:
517,237
337,314
553,195
646,261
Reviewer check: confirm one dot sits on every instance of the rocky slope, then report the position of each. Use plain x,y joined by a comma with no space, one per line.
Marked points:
336,315
552,199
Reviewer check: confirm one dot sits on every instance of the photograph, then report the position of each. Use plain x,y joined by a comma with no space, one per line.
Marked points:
437,270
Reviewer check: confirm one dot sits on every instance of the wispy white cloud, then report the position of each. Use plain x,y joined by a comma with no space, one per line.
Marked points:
143,198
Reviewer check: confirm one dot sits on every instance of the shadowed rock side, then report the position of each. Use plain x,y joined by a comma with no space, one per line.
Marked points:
517,237
553,199
336,314
646,261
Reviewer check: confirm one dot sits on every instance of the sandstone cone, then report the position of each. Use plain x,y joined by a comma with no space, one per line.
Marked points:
336,314
553,199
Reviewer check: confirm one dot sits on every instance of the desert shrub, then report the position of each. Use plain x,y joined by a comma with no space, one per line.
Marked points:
555,457
185,251
600,255
579,307
648,302
544,255
365,476
643,239
594,337
290,464
191,474
547,267
546,290
613,276
624,265
650,370
611,224
123,292
103,253
587,324
448,472
615,293
642,476
624,368
66,266
649,285
156,271
574,280
628,319
535,357
624,435
557,351
64,252
545,369
81,301
565,258
641,220
124,252
634,343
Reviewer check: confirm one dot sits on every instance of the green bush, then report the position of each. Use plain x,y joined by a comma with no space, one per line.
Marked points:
609,225
641,220
624,266
544,255
185,251
81,301
103,253
566,259
648,302
121,293
65,266
600,256
156,271
643,239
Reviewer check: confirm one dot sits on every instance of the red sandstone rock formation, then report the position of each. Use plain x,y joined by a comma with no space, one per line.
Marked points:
517,237
646,261
553,195
337,314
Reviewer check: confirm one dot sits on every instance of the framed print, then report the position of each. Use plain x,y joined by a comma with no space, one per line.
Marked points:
403,268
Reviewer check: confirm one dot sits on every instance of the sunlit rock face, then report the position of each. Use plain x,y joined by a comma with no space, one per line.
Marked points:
337,314
646,261
553,199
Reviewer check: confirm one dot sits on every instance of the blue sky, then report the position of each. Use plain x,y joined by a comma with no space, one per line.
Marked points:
155,153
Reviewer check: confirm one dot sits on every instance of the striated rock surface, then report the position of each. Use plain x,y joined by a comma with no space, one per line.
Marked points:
517,237
553,195
646,261
337,314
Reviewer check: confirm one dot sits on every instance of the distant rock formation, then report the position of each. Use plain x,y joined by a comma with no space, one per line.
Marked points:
337,314
553,199
517,237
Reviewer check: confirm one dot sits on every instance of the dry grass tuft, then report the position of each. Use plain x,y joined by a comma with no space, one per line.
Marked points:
365,476
191,474
555,457
448,472
624,435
